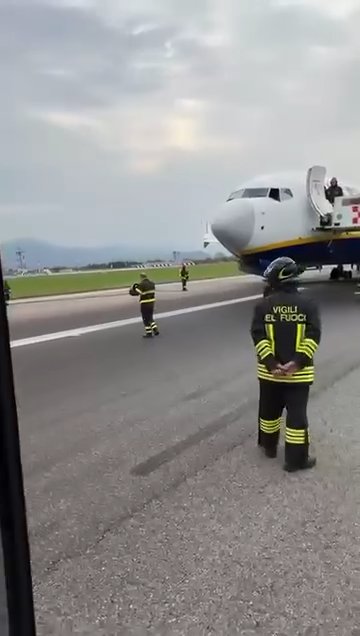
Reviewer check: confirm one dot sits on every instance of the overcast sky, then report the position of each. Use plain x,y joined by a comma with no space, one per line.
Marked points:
122,123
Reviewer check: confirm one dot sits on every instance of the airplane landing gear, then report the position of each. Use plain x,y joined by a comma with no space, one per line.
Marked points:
338,273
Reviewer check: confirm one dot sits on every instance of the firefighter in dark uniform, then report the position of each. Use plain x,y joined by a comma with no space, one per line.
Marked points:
184,275
286,332
146,292
333,191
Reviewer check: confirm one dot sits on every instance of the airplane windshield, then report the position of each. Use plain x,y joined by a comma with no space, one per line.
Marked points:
249,193
261,193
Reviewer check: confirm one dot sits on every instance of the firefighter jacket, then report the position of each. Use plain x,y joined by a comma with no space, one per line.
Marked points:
184,274
332,192
145,290
286,327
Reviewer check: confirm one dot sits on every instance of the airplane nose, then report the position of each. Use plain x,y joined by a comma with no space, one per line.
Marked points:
234,227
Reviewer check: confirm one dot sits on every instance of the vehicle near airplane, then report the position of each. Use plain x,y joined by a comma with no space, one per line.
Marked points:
288,214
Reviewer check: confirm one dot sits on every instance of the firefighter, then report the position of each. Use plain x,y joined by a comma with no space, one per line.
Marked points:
333,191
184,275
146,292
286,332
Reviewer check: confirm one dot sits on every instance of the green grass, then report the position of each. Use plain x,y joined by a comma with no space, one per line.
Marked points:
35,286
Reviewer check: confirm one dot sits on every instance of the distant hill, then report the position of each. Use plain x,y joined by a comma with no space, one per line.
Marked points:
43,254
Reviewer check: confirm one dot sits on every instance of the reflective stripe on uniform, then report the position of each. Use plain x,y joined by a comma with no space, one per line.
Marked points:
308,346
304,375
143,295
263,349
270,426
295,435
270,334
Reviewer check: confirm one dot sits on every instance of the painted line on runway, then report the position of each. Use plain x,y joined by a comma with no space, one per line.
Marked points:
82,331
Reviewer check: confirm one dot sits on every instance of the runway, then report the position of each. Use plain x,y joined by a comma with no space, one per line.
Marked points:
31,319
150,508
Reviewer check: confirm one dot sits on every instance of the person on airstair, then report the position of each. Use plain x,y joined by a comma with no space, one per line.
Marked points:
333,191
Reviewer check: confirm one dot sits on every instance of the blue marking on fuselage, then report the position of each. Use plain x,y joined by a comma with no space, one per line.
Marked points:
339,251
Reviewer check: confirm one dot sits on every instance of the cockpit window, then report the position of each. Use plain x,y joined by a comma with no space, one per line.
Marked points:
235,195
274,194
286,194
249,193
257,193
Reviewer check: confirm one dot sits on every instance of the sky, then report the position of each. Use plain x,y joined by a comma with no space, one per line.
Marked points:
132,121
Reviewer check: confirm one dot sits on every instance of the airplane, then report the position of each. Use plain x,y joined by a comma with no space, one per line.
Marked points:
288,214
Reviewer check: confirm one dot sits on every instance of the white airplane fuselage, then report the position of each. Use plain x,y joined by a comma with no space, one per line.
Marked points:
256,227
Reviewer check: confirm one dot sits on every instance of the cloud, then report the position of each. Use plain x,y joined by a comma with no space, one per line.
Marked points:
115,118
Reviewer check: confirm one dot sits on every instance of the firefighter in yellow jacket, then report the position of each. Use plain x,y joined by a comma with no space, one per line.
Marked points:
184,275
146,292
286,332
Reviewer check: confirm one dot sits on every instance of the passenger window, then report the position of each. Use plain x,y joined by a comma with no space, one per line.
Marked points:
274,194
286,194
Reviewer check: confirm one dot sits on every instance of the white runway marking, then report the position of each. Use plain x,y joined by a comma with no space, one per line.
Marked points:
81,331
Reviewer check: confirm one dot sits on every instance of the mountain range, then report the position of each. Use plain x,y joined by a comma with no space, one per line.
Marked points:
38,254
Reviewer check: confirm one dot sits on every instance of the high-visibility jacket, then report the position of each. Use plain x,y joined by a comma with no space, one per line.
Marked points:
286,327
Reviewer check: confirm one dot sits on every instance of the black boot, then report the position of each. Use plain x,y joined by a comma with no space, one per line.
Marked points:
147,335
270,452
310,462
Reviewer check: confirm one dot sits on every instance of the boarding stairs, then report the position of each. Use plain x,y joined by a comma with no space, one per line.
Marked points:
343,216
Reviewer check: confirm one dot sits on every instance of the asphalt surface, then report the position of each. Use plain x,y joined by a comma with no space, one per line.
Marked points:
37,318
151,510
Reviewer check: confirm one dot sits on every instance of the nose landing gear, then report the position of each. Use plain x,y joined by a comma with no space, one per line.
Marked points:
339,273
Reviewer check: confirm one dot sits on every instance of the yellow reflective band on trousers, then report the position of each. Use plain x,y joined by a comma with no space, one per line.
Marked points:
308,346
304,375
295,435
270,426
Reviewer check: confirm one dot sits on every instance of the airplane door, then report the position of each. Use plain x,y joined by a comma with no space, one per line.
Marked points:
315,191
16,594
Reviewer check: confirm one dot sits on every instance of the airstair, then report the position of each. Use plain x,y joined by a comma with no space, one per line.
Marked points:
343,216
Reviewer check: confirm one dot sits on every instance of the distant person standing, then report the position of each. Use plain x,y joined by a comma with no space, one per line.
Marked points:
184,275
146,292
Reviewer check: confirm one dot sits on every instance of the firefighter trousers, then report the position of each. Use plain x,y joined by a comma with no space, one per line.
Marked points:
147,314
184,282
274,398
